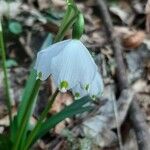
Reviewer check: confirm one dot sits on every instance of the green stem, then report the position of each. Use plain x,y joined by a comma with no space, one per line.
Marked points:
40,121
66,24
78,27
6,83
71,2
25,118
69,19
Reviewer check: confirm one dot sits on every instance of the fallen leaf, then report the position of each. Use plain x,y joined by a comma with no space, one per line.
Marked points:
141,86
134,40
99,127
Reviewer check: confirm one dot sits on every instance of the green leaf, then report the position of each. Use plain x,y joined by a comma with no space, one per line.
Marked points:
73,109
48,41
23,126
13,129
78,27
6,82
4,142
15,27
11,63
68,20
30,84
26,94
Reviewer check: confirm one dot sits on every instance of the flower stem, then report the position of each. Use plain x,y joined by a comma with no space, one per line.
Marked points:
6,83
65,25
26,118
69,19
78,27
41,119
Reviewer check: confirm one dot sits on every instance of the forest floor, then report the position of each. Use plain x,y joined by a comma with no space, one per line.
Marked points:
27,29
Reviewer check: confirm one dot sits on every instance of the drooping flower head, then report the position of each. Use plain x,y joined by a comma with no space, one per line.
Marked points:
71,67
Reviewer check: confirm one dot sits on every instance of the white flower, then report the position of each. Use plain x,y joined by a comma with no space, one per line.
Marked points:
94,89
71,67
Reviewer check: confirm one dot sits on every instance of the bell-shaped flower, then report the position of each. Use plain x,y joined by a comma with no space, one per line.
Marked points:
94,89
71,66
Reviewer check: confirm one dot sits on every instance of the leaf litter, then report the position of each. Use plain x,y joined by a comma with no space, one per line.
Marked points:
96,130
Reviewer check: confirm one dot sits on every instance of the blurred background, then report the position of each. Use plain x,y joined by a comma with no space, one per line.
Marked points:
27,24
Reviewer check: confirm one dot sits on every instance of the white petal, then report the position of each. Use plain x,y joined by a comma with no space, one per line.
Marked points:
97,86
74,64
45,56
79,92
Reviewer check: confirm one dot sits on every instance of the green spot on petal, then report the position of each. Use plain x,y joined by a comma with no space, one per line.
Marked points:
93,97
77,95
64,85
87,87
39,75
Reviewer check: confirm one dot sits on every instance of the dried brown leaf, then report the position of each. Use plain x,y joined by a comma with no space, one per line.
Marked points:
134,40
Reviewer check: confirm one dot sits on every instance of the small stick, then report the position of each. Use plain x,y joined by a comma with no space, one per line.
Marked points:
117,123
147,12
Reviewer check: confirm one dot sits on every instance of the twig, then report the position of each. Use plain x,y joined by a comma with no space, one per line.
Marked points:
28,50
147,12
115,42
135,114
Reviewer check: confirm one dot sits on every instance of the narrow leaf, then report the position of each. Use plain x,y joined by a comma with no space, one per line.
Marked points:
30,84
4,142
69,111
